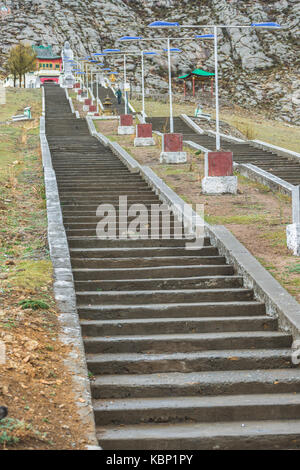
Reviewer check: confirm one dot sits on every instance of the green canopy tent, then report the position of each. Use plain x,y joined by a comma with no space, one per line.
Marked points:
199,75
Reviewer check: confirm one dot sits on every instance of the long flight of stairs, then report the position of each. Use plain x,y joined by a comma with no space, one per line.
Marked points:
283,167
103,93
182,354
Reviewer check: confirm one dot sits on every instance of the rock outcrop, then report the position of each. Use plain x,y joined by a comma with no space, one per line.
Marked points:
258,68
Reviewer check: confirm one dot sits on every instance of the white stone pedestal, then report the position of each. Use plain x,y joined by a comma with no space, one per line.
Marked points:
219,184
143,141
173,157
126,130
293,238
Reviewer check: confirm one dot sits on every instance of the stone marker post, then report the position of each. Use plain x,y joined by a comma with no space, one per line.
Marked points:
126,126
172,145
293,230
87,104
143,135
218,174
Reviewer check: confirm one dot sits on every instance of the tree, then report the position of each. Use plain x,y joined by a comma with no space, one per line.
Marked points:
21,59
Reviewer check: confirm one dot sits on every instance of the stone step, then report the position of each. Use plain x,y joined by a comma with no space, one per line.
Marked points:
82,169
94,263
145,233
121,224
213,409
167,343
246,435
80,200
199,361
195,310
88,217
98,189
219,282
162,296
176,325
149,252
207,383
88,195
86,208
65,185
94,242
63,180
152,273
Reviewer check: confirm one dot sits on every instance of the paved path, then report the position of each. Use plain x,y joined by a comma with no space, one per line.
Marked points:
183,355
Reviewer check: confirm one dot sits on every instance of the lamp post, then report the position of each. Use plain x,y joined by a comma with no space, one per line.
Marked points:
125,53
166,24
143,53
86,62
81,73
138,38
125,86
94,71
168,50
125,76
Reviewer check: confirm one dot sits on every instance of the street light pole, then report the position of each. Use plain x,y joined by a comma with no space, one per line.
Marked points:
218,145
87,80
97,82
131,38
170,89
143,88
166,24
125,80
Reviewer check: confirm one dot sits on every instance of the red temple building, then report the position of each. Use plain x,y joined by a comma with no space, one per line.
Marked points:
48,65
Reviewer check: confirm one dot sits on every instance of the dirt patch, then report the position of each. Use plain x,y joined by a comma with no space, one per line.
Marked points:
257,216
35,384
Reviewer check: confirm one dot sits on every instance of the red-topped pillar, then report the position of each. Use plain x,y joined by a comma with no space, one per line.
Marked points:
172,149
144,136
126,126
218,171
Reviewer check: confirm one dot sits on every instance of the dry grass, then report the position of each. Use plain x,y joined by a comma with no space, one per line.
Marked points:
156,108
256,126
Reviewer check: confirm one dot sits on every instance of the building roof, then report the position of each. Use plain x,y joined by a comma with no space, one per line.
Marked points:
197,73
45,52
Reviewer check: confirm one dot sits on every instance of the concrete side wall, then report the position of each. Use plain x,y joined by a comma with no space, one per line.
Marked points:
228,138
192,124
276,150
264,177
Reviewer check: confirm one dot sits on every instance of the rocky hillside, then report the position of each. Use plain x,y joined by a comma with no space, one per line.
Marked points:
258,67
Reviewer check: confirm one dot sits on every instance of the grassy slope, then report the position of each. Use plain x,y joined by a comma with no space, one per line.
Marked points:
23,214
34,383
253,126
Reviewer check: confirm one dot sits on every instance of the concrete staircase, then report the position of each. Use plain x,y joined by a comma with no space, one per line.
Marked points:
104,92
182,354
282,167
